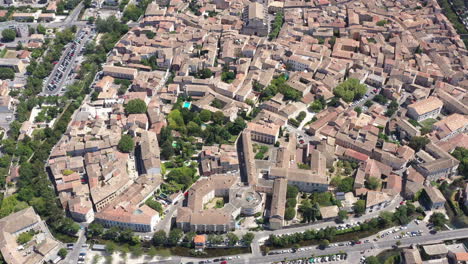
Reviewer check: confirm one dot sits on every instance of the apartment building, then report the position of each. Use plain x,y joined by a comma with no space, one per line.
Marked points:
255,20
150,153
451,126
434,163
432,198
219,159
43,247
376,201
120,72
264,132
278,203
424,109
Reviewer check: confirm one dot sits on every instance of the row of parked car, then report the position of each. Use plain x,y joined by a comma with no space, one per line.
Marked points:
319,259
62,68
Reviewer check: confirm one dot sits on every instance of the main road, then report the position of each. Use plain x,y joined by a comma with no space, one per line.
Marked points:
384,244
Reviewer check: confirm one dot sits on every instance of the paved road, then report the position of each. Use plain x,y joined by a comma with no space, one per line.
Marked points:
384,244
72,256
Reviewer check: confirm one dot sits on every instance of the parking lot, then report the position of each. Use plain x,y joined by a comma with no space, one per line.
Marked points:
63,69
320,259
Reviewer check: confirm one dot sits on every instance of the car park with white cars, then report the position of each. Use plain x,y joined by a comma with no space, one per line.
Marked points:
63,67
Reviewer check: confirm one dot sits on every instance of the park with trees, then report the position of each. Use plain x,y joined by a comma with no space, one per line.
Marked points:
350,90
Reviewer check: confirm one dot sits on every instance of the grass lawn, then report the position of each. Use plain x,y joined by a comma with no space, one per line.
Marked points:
163,252
64,238
9,54
428,122
3,52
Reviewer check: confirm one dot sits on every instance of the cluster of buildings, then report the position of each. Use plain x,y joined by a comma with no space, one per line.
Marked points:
95,181
406,51
440,253
41,248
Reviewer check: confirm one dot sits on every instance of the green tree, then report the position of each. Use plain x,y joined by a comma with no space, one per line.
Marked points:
8,35
368,103
204,74
385,219
205,115
110,247
373,183
159,238
112,233
438,220
215,239
155,205
94,229
248,238
24,238
193,128
232,239
360,207
62,253
289,213
10,205
346,184
372,260
461,154
41,29
175,235
380,99
350,90
7,73
167,150
418,143
292,192
135,106
126,236
218,117
358,110
126,144
150,34
342,215
381,23
324,243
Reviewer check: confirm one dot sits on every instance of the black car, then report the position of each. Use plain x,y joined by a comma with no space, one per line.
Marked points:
215,260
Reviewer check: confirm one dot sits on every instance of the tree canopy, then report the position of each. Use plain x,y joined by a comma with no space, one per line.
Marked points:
438,219
7,73
350,90
373,183
8,35
126,144
461,154
360,207
418,143
135,106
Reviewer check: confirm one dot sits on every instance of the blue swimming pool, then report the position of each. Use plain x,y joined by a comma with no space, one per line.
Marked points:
187,104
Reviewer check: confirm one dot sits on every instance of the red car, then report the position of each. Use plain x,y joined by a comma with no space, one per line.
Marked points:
224,262
357,242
